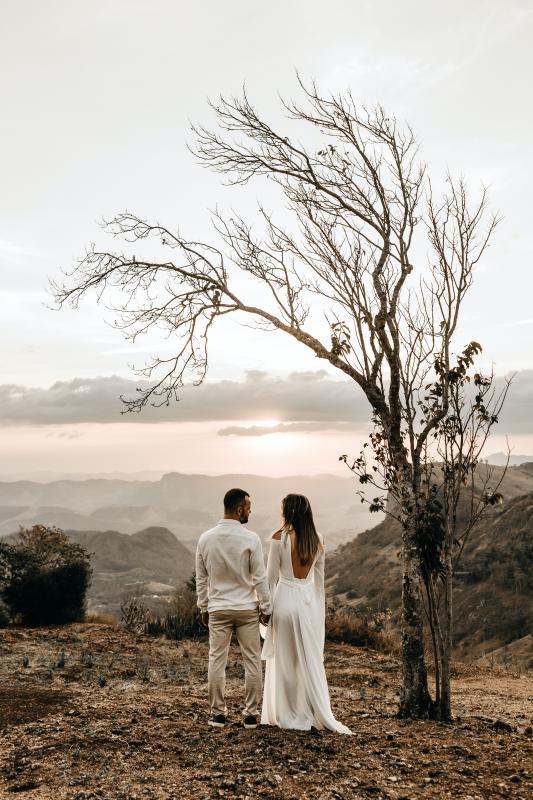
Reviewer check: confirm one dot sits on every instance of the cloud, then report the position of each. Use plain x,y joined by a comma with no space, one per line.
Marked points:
65,433
300,402
517,323
300,396
10,251
284,427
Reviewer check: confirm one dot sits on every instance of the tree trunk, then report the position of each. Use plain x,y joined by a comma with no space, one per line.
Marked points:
445,694
415,700
436,653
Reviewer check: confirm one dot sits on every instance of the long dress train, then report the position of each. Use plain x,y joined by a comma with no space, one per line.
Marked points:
296,692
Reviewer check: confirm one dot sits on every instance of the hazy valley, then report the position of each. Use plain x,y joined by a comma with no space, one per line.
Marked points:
142,536
185,504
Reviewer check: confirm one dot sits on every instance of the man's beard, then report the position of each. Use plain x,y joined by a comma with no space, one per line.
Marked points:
243,519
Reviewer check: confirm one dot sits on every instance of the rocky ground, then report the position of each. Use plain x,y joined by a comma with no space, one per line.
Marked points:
90,712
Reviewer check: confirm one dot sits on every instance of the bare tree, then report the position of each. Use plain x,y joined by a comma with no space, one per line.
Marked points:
346,256
455,491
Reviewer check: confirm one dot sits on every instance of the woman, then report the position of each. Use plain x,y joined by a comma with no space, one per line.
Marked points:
296,691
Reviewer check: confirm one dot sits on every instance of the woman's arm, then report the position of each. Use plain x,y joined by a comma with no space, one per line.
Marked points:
273,564
318,578
320,567
259,578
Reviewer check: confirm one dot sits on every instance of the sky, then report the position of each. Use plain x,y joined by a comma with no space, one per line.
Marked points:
97,101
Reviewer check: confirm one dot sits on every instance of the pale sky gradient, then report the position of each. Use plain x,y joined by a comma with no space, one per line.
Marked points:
96,99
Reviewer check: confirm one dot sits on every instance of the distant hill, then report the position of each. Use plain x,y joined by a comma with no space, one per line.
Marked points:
527,467
500,459
150,563
185,504
494,584
125,564
46,476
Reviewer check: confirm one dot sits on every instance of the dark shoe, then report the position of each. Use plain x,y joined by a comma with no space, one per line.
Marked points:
250,722
217,721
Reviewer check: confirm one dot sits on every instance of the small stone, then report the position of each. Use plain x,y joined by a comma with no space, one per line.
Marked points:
500,725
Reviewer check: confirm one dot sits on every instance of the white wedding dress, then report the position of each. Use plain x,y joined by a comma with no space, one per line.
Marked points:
296,691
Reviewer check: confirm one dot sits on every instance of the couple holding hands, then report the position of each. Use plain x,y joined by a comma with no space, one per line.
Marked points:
235,594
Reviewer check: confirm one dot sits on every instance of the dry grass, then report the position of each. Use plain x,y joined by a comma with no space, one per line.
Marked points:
344,625
97,618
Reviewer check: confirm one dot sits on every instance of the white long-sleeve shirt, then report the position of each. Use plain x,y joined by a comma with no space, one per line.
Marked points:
230,569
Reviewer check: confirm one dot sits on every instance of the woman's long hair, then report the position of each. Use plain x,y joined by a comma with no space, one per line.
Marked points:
297,514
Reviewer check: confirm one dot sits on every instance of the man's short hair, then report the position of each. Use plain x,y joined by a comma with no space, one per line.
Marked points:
235,498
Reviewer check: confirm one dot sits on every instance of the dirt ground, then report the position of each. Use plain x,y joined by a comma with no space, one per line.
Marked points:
90,712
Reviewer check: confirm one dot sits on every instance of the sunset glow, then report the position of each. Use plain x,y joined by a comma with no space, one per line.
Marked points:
263,378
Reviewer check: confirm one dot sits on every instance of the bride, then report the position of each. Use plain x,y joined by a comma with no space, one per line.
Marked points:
296,691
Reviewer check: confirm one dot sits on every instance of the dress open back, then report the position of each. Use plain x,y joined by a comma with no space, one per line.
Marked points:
296,692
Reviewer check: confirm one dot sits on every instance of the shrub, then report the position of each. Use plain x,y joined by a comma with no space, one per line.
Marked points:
347,626
182,621
98,618
4,615
44,577
134,615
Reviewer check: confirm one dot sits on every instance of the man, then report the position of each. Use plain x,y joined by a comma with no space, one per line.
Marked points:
233,595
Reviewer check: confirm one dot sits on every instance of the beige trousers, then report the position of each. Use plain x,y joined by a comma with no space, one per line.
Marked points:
221,626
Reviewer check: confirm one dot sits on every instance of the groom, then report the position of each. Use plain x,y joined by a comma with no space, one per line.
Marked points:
232,592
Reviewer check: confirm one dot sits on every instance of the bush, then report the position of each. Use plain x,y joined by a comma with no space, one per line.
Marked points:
44,577
134,615
5,617
182,621
346,626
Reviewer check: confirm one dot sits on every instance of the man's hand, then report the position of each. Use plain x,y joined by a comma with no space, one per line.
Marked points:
204,619
264,619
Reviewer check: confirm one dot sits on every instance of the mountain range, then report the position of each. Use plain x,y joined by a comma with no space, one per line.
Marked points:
493,591
185,504
142,533
160,521
150,563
